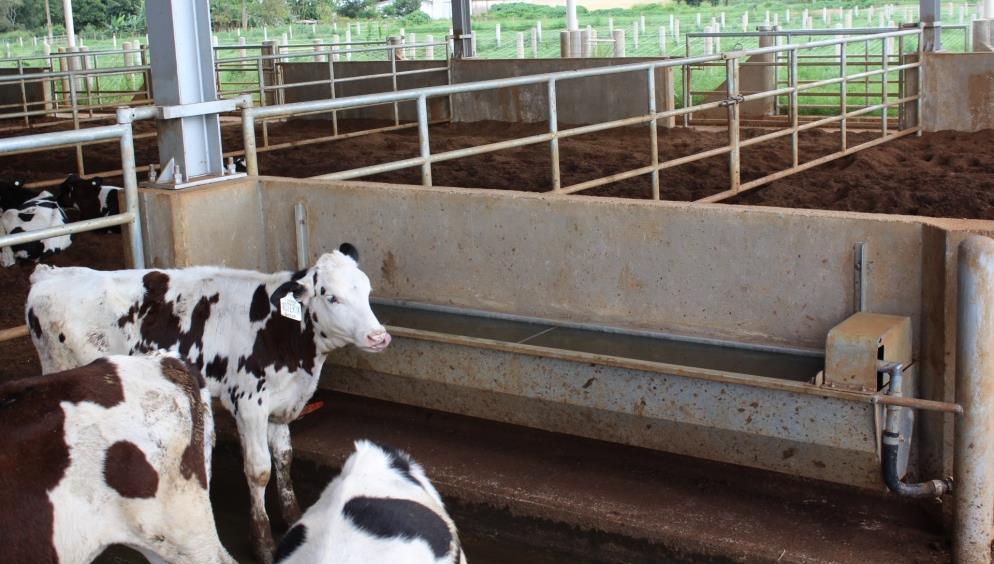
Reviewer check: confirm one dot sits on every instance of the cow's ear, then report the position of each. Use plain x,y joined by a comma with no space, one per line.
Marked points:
350,251
299,291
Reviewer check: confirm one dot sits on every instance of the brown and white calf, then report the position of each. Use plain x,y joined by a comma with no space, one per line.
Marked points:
262,365
115,452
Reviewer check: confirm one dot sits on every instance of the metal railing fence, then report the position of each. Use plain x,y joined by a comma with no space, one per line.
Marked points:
270,87
733,98
121,131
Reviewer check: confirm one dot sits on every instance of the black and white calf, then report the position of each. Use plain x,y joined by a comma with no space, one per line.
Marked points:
89,198
381,508
115,452
40,212
262,365
13,194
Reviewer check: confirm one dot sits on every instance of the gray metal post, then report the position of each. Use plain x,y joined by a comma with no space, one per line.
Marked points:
931,19
974,451
461,28
183,73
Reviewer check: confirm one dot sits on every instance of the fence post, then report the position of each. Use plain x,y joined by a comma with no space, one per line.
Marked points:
423,140
653,133
732,83
619,42
554,142
519,45
974,440
564,47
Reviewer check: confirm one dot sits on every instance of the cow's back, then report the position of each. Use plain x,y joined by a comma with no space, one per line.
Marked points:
117,451
72,315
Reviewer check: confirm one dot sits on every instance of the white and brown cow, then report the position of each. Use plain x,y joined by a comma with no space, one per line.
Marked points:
263,366
40,212
381,508
114,452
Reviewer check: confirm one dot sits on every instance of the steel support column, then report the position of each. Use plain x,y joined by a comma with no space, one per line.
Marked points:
461,29
931,16
183,73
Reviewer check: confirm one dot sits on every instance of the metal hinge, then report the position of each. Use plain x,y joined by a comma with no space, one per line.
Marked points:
738,99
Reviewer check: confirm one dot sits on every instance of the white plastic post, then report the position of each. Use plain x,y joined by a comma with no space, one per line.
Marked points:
265,33
745,21
698,20
776,19
429,48
412,52
285,40
642,24
676,30
635,36
497,33
610,25
575,43
538,29
662,40
619,42
242,52
571,15
723,19
535,43
214,41
786,16
334,50
317,49
708,40
348,42
519,44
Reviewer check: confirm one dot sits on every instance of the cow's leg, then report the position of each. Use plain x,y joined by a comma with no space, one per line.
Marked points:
282,451
252,430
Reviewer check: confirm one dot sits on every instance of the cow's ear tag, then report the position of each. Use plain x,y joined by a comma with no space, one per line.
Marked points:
290,308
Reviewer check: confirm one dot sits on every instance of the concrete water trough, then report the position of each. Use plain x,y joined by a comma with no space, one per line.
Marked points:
699,330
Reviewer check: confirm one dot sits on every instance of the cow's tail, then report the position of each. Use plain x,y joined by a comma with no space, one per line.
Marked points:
41,272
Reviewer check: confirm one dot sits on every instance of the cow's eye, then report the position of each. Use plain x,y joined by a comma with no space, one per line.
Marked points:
332,300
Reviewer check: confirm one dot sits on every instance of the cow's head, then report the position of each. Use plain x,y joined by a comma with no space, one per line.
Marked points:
335,293
68,193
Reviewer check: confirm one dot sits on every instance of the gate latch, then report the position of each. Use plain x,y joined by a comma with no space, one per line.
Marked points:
737,99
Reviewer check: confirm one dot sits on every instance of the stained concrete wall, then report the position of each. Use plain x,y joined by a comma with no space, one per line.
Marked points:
11,96
958,91
748,274
579,101
307,72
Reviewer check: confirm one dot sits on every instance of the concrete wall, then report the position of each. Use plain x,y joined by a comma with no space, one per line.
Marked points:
747,274
579,101
10,93
959,91
307,72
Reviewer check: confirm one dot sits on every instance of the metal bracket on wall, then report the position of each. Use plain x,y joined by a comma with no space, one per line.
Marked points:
859,277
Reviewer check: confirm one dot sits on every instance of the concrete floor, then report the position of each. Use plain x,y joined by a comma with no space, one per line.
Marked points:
520,495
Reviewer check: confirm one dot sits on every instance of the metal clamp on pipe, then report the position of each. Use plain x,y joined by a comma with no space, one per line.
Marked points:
737,99
891,442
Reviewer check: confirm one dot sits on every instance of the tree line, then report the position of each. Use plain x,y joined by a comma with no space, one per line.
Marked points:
129,15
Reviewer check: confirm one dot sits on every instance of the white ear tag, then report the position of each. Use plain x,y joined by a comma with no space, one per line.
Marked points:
290,308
